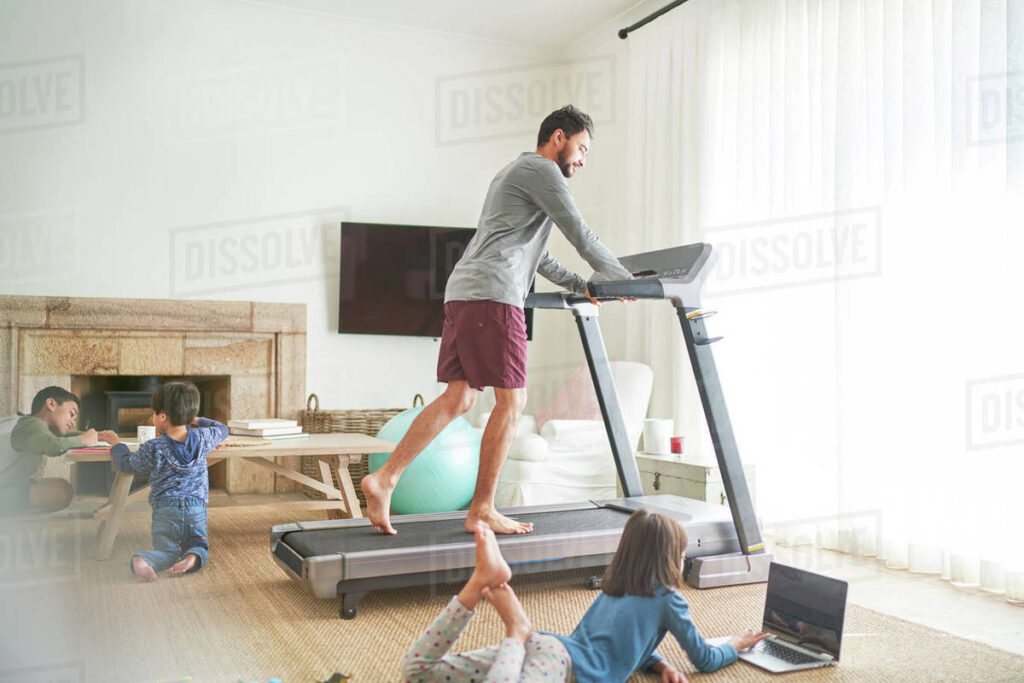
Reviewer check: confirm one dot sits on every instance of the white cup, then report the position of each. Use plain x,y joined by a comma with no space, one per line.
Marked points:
144,433
658,436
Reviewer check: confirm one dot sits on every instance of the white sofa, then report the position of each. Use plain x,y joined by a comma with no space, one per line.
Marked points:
571,460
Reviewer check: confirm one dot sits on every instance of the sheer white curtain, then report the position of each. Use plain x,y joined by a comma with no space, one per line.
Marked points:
859,166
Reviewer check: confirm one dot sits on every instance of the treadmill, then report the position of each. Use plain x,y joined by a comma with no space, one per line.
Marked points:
347,558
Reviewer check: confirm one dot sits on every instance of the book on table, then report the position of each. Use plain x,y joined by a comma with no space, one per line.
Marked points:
266,431
98,447
263,423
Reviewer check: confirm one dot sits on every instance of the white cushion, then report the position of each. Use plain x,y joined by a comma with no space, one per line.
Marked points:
579,464
531,447
633,384
576,435
527,424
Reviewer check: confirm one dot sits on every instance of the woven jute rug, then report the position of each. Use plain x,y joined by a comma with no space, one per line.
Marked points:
64,616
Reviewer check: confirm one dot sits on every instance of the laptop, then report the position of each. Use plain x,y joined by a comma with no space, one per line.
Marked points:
803,612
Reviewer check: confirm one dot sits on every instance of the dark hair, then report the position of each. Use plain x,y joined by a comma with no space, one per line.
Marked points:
649,556
180,400
570,119
61,396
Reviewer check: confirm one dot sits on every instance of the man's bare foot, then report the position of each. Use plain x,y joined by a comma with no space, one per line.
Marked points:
378,503
498,523
517,624
143,572
185,564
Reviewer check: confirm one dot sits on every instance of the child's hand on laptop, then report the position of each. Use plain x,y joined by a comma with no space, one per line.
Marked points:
748,639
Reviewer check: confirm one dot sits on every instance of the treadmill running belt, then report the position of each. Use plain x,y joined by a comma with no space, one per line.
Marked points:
317,542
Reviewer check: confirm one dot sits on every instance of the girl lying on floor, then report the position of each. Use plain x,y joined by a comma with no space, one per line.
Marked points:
639,603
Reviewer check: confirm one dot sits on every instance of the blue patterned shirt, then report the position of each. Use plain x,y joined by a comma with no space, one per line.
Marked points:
175,468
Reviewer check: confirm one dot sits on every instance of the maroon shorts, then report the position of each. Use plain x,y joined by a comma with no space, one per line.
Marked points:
483,343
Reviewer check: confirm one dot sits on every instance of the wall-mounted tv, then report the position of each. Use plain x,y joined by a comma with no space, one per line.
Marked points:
393,278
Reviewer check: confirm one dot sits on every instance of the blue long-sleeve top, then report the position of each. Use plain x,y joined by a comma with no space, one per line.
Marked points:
175,468
619,635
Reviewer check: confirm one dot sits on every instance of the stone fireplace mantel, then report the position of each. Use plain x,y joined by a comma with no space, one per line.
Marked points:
260,346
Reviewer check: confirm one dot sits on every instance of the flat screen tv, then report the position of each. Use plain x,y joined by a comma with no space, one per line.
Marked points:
393,278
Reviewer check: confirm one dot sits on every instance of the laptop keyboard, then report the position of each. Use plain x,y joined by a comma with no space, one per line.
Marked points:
784,653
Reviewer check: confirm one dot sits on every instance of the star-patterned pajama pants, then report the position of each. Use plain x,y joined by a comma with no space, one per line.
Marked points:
543,658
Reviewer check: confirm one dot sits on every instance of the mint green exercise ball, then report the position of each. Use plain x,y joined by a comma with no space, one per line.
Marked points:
442,478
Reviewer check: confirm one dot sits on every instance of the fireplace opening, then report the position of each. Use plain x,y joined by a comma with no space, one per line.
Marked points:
123,403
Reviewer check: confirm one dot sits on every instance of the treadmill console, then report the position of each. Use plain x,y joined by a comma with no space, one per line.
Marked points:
677,273
678,263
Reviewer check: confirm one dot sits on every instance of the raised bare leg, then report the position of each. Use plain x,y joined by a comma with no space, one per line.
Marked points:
497,440
491,569
429,658
456,400
505,601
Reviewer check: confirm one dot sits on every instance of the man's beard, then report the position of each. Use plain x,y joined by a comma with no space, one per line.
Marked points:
565,166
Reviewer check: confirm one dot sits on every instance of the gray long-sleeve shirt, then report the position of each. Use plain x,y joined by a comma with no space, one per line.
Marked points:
508,248
23,447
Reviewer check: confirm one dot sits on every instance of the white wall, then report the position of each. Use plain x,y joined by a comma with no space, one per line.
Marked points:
600,192
137,135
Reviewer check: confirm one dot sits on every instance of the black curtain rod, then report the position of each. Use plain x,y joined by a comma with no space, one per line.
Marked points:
623,32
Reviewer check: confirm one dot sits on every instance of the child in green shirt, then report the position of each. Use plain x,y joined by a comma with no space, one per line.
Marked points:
48,431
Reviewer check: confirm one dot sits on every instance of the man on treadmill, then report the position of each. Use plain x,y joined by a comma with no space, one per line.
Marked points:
483,342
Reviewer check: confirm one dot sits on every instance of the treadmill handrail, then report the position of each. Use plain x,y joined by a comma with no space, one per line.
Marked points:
563,300
640,288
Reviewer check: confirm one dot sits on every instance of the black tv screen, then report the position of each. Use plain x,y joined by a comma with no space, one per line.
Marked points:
393,278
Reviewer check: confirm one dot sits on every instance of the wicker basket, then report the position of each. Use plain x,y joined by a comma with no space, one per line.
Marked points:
317,421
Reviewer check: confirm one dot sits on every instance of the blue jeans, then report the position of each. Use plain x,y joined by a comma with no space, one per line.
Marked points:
179,528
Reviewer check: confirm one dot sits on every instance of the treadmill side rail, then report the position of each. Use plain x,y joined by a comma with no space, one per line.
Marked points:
279,531
323,573
730,569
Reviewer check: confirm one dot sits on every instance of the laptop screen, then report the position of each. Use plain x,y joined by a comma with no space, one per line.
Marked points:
805,608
